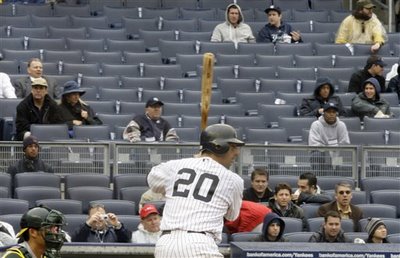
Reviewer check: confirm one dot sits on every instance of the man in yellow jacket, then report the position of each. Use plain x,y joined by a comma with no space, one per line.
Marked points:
362,27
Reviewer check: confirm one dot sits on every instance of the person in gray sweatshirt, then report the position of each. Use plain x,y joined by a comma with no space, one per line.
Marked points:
233,29
328,130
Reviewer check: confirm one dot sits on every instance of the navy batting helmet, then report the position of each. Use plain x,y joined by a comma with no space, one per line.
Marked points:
216,138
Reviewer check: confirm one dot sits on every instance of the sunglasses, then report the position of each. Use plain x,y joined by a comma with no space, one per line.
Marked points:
343,192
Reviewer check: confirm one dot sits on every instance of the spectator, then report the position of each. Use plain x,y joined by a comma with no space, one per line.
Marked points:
233,29
7,90
282,204
328,130
323,93
373,68
41,234
273,228
369,103
308,191
73,109
150,126
102,227
331,231
362,27
251,218
30,161
36,108
377,231
277,31
149,228
343,205
7,234
259,190
394,83
150,196
23,86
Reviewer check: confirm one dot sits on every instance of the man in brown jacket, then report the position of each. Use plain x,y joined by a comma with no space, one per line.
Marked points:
343,196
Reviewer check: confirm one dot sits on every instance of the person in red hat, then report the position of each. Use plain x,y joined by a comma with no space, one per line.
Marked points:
149,228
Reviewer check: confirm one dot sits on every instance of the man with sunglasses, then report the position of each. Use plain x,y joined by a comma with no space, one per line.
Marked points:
342,204
362,27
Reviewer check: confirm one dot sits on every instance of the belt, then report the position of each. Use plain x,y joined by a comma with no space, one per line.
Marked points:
166,232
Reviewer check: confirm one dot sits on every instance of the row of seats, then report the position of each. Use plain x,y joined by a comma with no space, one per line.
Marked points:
53,60
114,15
367,185
98,7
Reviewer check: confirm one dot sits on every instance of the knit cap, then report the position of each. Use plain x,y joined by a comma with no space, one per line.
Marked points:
30,140
372,225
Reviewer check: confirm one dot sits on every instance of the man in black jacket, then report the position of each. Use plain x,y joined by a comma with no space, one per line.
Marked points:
37,108
259,190
331,231
30,162
308,191
374,68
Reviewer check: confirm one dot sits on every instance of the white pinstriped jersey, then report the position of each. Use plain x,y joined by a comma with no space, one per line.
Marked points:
200,192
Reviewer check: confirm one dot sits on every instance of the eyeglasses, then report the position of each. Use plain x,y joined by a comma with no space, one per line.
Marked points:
343,192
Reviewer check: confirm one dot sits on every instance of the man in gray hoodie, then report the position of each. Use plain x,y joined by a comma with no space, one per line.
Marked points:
233,29
328,130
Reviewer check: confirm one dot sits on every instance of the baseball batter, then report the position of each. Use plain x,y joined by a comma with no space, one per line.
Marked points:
200,192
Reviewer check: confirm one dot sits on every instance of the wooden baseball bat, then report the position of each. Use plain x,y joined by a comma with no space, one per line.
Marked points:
206,83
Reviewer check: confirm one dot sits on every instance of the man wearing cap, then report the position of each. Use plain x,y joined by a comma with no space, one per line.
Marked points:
30,162
277,31
373,68
377,232
328,130
149,228
323,93
233,29
150,126
36,108
73,109
369,102
35,70
362,27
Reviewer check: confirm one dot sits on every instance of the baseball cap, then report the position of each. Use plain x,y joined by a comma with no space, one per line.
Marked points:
39,81
154,100
330,105
148,209
273,8
365,4
376,60
29,140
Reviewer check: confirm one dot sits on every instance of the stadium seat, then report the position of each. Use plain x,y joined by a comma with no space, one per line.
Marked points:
389,197
85,44
217,47
257,72
133,26
326,4
171,96
350,236
329,182
133,193
131,222
64,205
120,69
292,224
313,61
292,49
132,58
321,15
17,21
180,25
275,85
378,210
170,48
120,94
37,32
195,121
394,238
137,46
86,194
226,109
33,193
102,57
310,211
166,13
271,113
274,61
120,207
331,49
70,33
292,4
16,43
375,124
9,66
194,96
252,100
366,138
242,60
306,73
188,134
245,121
78,10
128,180
261,49
246,237
183,83
37,179
20,55
99,22
298,236
113,34
151,38
65,56
129,107
50,132
189,13
173,71
262,136
74,222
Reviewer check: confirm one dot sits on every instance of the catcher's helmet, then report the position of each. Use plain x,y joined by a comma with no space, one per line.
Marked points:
216,138
45,218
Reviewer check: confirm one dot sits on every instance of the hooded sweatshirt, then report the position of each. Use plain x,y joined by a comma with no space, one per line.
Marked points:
311,105
363,106
324,134
226,32
143,236
267,222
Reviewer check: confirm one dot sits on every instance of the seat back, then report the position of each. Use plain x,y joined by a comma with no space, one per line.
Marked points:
63,205
120,207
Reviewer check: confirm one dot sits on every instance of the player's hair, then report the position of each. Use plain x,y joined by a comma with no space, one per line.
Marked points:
312,179
283,186
342,184
259,172
333,214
